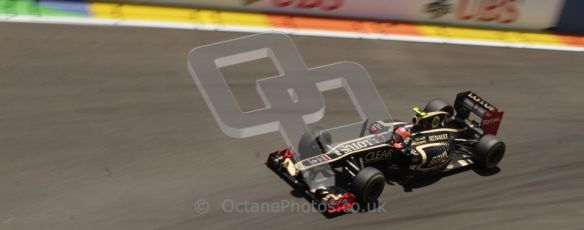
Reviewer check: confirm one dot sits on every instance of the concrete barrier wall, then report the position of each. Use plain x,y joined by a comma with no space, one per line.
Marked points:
563,16
505,14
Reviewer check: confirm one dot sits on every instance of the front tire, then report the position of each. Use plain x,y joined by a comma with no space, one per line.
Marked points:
368,185
488,152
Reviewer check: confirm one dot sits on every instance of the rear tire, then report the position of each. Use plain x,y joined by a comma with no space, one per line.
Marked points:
439,105
488,152
368,185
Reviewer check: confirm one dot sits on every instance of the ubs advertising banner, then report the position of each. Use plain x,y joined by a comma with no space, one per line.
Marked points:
516,14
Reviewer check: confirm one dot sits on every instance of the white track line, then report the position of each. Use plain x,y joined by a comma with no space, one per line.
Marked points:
251,29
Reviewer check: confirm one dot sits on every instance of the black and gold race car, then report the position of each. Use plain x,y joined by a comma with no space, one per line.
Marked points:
442,138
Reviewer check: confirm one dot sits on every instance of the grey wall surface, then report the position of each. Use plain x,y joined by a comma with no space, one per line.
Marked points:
502,14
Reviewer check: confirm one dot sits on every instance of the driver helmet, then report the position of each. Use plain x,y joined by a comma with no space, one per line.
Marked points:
400,134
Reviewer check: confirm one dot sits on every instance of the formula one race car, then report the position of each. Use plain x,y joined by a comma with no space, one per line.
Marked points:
440,138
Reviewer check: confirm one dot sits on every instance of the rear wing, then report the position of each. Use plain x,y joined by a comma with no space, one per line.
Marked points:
469,102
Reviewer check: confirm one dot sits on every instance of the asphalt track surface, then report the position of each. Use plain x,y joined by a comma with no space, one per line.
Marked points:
103,128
